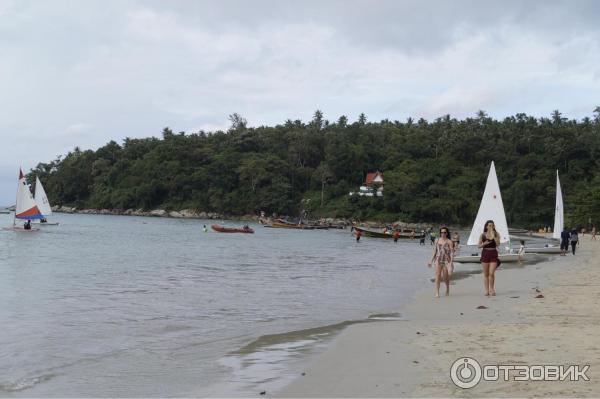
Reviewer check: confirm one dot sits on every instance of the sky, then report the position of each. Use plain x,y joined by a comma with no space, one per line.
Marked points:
82,73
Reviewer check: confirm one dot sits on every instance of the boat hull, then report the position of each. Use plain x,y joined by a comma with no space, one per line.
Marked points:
223,229
543,250
45,224
20,229
380,234
504,258
279,225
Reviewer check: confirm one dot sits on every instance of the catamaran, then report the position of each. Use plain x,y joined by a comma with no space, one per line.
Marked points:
43,204
490,208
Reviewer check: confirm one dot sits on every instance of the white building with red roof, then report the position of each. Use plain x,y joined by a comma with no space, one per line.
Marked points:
373,185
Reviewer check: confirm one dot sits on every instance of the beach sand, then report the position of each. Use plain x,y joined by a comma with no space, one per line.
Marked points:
413,357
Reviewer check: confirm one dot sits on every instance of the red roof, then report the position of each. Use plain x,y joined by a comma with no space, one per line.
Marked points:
371,176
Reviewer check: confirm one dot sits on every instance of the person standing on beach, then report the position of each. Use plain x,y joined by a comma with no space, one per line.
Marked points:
521,252
594,233
574,240
565,237
432,237
443,256
422,238
455,241
489,240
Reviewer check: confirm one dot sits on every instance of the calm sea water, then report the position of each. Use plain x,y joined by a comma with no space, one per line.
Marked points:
131,306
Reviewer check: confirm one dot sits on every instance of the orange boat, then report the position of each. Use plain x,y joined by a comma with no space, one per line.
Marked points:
223,229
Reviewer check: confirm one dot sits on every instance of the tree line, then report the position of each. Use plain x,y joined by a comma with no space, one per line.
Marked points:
434,171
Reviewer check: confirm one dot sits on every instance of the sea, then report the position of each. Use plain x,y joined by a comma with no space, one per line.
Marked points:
122,306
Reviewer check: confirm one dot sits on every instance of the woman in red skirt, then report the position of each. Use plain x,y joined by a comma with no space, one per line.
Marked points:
488,242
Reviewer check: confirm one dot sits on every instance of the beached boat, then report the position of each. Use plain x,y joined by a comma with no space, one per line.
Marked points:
223,229
490,208
558,224
559,220
504,258
383,234
43,204
544,250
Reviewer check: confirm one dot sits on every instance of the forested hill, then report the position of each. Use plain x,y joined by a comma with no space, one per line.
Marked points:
433,171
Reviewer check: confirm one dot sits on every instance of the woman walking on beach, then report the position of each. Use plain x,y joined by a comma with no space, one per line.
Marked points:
488,242
443,255
574,240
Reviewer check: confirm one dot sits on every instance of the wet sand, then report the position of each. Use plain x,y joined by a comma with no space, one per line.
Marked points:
413,357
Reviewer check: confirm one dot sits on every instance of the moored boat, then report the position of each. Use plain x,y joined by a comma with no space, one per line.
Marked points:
287,225
384,234
223,229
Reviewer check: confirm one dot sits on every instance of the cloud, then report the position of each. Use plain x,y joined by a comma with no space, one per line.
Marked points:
81,74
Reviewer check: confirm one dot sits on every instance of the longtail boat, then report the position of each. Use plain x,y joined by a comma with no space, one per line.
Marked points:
386,234
223,229
280,225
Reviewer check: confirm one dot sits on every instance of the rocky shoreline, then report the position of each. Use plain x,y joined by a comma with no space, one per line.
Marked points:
193,214
181,214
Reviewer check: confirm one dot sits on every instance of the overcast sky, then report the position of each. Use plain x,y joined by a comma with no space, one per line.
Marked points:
80,73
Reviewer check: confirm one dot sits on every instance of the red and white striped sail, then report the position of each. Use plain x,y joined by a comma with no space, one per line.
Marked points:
26,207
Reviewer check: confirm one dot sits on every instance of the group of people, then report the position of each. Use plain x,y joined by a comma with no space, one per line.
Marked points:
567,238
443,257
433,236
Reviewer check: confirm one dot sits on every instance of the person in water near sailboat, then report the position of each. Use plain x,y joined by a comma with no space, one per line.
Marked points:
443,256
489,240
27,225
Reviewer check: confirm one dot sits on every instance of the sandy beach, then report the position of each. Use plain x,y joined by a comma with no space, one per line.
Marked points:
413,357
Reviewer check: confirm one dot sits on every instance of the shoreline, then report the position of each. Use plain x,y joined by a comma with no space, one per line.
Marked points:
413,357
194,214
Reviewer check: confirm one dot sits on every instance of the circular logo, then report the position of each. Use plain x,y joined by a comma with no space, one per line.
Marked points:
465,372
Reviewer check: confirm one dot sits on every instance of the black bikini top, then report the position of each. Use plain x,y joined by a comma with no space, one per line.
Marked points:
491,244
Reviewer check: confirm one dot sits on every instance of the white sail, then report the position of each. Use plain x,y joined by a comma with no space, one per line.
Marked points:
491,208
559,221
42,199
25,208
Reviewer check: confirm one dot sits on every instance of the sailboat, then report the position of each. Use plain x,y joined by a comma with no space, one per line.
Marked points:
26,207
490,208
559,219
558,223
43,204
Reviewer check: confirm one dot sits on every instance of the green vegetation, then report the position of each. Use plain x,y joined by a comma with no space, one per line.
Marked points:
433,171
